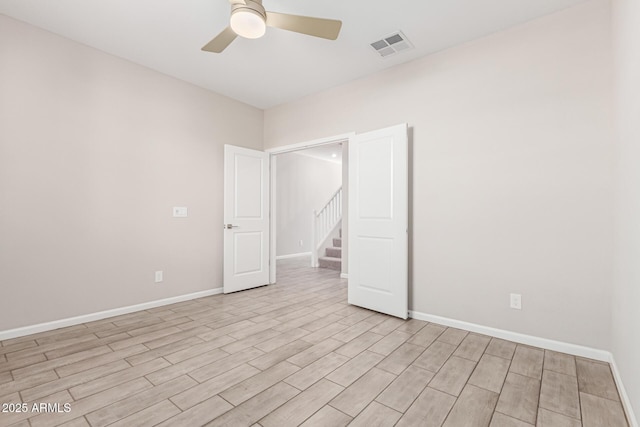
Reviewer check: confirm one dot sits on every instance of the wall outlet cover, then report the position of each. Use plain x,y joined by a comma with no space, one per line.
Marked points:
159,276
516,301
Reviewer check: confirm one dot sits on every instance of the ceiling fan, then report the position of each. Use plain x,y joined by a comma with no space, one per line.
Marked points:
249,19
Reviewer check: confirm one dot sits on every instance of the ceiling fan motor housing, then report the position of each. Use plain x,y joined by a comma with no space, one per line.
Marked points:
248,19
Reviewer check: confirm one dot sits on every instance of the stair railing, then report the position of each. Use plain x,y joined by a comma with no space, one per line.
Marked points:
324,222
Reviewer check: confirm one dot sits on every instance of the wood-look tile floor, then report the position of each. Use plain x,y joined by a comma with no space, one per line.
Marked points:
290,354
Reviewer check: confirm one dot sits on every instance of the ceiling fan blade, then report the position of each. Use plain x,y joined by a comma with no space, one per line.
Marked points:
221,41
317,27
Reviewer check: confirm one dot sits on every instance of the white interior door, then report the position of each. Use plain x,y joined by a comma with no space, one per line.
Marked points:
246,219
378,221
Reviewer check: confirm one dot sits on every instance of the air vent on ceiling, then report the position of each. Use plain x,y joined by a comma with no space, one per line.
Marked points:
392,44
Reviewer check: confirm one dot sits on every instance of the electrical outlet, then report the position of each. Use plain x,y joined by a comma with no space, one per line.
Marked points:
301,243
158,276
516,301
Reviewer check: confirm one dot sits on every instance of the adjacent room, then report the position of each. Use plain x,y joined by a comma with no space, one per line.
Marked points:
319,213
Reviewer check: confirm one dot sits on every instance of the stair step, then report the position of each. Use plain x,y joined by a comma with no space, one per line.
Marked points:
334,252
330,262
337,242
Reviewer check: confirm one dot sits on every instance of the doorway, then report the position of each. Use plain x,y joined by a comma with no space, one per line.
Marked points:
308,205
378,214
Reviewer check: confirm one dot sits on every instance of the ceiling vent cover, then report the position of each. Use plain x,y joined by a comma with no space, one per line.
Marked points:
392,44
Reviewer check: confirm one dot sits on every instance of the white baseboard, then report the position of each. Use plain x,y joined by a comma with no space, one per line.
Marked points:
71,321
626,402
344,276
547,344
298,255
574,349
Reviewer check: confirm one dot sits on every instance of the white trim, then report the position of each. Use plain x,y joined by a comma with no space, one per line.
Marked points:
345,137
85,318
272,218
574,349
626,402
308,144
344,276
298,255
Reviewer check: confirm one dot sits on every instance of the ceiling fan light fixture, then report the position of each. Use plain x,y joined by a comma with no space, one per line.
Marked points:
248,23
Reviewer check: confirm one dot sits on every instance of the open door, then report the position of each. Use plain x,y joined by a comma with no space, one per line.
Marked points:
246,219
378,221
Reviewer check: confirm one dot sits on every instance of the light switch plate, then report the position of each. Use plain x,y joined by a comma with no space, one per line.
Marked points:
180,212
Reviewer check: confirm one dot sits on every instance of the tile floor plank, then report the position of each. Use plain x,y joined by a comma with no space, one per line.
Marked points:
70,381
430,409
91,403
138,402
114,356
315,371
282,339
427,335
405,389
358,395
186,366
501,348
388,344
453,376
559,362
99,384
501,420
223,365
314,352
453,336
355,368
527,361
359,344
328,416
200,414
151,416
435,356
474,408
402,357
215,385
376,415
596,379
519,397
490,373
598,411
472,347
302,406
551,419
258,383
286,351
257,407
559,393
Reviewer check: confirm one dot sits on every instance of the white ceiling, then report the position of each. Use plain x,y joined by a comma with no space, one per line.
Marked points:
166,35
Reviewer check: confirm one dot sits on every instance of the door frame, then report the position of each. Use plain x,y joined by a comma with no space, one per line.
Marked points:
345,137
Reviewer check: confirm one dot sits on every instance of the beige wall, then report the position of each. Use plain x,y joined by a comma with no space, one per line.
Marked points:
512,171
626,295
304,184
94,152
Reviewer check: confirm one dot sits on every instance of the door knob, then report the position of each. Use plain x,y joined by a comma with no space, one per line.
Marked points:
230,226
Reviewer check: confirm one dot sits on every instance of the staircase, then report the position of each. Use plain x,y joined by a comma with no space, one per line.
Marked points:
326,234
333,255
